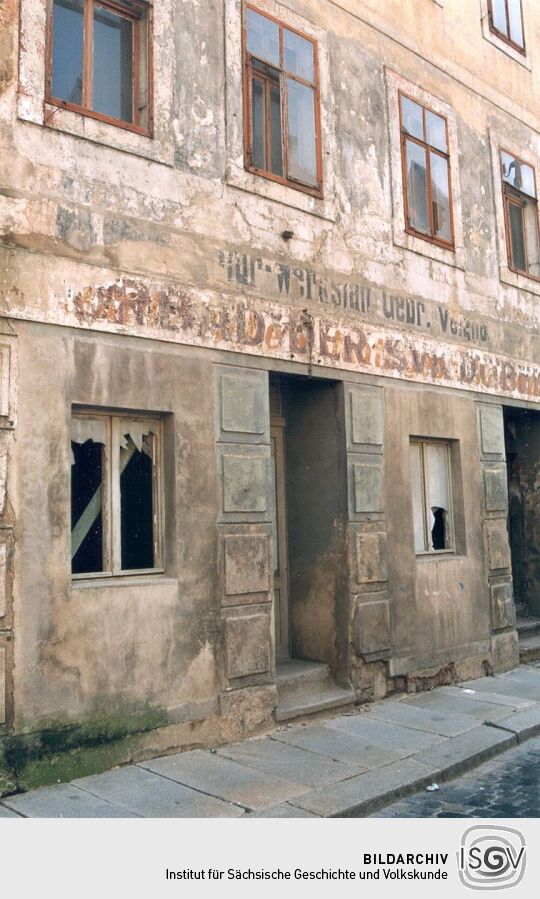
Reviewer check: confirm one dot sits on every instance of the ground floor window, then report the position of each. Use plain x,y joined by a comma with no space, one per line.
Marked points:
115,494
432,496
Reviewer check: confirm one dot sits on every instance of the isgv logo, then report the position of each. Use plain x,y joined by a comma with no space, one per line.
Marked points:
491,858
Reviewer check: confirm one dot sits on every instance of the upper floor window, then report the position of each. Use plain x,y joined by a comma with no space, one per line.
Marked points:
426,173
99,56
521,215
281,96
506,20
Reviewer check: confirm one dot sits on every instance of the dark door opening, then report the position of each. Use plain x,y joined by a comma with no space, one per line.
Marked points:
522,436
308,447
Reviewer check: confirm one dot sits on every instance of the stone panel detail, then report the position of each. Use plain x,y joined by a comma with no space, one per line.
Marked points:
373,636
504,651
367,487
247,564
367,417
5,381
502,606
371,557
248,645
498,545
244,404
244,483
496,488
3,578
491,430
2,685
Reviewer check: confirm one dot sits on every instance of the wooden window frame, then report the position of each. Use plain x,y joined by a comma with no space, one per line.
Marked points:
501,35
112,554
248,73
144,17
404,137
448,550
516,197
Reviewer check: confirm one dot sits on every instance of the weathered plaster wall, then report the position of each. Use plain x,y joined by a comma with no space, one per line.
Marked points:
106,648
445,597
146,236
106,238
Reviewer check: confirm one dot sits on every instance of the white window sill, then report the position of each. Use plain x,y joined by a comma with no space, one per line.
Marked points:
147,580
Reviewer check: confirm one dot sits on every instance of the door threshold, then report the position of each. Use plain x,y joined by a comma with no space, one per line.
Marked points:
305,688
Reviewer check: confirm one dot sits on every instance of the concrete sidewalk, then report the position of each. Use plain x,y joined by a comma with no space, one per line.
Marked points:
349,765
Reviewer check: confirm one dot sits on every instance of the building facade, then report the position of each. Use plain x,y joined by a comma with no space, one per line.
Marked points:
270,396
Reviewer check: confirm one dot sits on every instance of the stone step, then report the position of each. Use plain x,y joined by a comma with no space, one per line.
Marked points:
296,674
529,647
528,626
305,688
299,703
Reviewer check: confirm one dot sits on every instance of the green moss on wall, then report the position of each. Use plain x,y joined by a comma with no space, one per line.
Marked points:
59,753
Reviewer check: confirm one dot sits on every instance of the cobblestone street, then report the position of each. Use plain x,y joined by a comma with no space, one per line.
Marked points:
505,787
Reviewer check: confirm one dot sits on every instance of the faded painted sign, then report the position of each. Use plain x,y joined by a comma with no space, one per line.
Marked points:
277,279
242,325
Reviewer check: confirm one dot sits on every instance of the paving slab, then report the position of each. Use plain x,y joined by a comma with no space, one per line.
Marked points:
7,813
219,776
331,743
485,696
368,792
523,683
281,759
151,796
285,810
467,750
458,705
402,741
64,801
524,724
432,721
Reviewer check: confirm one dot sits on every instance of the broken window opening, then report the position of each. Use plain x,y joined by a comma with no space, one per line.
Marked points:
283,140
86,507
114,495
431,496
438,531
521,215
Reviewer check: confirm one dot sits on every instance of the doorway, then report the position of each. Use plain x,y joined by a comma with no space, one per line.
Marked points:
280,543
522,436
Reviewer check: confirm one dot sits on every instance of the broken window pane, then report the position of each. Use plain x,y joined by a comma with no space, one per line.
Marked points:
417,187
67,50
87,471
431,496
510,169
137,499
